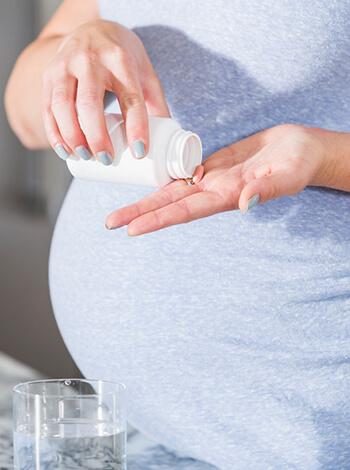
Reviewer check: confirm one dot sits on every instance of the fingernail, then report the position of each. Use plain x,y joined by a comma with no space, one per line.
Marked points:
139,149
253,201
198,174
112,227
83,152
132,233
61,151
105,158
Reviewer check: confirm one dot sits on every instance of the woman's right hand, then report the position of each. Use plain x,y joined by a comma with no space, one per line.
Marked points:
97,57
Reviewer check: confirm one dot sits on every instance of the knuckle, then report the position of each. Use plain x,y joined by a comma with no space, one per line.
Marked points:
97,142
117,54
58,68
184,209
85,60
118,59
72,136
55,72
130,100
125,60
159,219
60,96
228,199
72,41
89,97
113,49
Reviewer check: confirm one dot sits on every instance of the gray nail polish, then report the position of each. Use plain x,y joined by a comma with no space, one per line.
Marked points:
253,201
105,158
108,227
139,149
83,152
61,151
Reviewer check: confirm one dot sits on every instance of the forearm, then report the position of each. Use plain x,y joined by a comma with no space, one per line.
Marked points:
335,170
23,92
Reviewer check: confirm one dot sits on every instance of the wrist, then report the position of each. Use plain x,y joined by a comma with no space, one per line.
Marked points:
335,149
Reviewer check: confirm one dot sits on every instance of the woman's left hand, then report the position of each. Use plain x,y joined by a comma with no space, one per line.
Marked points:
275,162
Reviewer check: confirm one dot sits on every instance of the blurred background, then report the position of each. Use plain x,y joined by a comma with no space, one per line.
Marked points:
32,187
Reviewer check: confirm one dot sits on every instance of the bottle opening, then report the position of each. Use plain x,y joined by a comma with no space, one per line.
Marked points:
185,154
191,155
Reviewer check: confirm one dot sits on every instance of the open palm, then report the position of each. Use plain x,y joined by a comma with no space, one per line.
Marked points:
272,163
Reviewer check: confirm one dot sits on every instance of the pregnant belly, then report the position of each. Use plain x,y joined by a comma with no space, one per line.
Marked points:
227,331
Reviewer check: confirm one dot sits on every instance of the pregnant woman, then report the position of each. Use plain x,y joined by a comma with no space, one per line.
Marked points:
232,332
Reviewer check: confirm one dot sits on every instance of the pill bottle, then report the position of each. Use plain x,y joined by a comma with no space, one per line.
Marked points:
173,154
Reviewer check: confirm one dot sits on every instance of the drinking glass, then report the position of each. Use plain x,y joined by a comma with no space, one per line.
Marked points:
69,424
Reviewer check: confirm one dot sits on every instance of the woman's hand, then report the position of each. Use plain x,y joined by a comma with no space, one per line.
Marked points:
99,56
276,162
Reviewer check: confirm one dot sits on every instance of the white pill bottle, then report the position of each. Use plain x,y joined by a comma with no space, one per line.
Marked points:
173,154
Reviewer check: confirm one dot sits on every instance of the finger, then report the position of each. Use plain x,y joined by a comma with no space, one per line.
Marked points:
169,194
54,137
266,188
220,160
127,87
89,102
198,174
195,206
52,132
65,115
154,95
235,154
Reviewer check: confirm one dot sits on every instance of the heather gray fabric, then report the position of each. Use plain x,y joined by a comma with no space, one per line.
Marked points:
232,333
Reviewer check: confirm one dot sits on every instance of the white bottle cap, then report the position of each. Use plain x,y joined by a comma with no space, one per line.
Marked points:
184,154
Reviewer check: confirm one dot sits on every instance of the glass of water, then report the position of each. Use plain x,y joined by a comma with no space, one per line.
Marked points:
69,424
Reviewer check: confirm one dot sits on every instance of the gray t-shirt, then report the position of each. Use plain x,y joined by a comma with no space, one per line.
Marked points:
232,333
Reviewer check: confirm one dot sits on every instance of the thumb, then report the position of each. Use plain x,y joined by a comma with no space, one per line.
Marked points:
266,188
